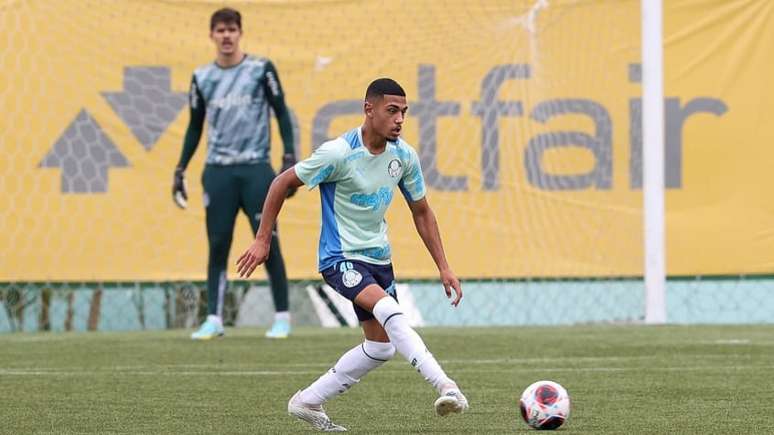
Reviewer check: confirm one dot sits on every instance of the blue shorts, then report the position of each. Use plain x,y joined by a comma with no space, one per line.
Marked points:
350,277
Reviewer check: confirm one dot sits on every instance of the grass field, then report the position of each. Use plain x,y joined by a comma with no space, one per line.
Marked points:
622,379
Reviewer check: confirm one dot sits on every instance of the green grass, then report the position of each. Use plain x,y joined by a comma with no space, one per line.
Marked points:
622,379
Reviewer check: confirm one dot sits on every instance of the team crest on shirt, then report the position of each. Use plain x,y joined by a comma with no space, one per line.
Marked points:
351,278
394,168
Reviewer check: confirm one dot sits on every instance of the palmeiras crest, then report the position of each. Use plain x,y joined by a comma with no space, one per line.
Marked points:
394,168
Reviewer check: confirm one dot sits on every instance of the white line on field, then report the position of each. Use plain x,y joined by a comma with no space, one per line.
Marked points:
554,360
22,372
92,372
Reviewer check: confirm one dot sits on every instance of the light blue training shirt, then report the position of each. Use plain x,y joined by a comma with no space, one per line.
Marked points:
356,187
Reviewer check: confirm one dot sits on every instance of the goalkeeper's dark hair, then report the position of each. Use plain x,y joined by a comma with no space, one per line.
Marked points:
383,86
226,16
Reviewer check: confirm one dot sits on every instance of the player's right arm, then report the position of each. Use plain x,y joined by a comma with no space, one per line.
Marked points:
192,136
258,252
321,167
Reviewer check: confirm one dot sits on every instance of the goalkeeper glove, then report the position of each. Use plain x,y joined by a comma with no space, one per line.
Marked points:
288,161
178,188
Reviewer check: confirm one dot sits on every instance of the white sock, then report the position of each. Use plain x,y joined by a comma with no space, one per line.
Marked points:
349,369
409,343
212,318
282,315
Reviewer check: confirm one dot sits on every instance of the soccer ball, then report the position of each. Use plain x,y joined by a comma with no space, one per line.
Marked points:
545,405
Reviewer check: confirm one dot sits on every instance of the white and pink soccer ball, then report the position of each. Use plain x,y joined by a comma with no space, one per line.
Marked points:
545,405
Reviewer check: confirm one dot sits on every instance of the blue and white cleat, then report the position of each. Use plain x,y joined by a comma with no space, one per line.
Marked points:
280,329
314,415
211,328
451,401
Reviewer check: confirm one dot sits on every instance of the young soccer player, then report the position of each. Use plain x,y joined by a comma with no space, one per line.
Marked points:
357,175
234,93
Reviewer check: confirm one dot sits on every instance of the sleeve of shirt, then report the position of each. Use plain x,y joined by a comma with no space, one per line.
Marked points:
412,183
276,97
323,166
195,125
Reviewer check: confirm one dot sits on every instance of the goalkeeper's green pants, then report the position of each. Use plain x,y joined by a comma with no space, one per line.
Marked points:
227,189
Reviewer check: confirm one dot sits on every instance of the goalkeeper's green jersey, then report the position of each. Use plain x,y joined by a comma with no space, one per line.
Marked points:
236,103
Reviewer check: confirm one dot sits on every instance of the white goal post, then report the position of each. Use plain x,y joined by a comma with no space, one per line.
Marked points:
653,160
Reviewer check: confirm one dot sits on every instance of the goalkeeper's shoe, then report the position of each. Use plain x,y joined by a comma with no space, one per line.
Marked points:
314,415
280,329
451,401
211,328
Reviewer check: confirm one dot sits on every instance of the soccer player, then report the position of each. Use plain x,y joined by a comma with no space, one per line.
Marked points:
357,175
234,93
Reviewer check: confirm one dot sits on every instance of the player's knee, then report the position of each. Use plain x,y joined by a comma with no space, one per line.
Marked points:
378,351
387,309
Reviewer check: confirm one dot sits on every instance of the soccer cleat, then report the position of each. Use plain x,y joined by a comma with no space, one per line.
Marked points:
451,401
280,329
314,415
209,329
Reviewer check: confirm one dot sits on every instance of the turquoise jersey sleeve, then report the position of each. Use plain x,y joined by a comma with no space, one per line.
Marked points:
412,183
323,166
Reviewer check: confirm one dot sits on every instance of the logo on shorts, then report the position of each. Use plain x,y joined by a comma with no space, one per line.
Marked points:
351,278
394,168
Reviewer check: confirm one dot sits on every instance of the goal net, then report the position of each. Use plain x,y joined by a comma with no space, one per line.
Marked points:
526,116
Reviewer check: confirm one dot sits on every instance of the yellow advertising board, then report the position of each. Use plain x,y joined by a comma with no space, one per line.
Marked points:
525,115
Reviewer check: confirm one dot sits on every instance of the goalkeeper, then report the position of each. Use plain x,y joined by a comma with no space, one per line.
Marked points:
234,93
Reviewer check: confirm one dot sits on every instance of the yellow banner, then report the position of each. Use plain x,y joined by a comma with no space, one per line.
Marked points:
525,114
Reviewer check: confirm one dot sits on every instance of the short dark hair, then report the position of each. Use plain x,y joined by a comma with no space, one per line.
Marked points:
226,16
384,86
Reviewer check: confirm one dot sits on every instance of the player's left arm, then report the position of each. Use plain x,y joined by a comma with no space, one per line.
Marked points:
276,97
427,227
